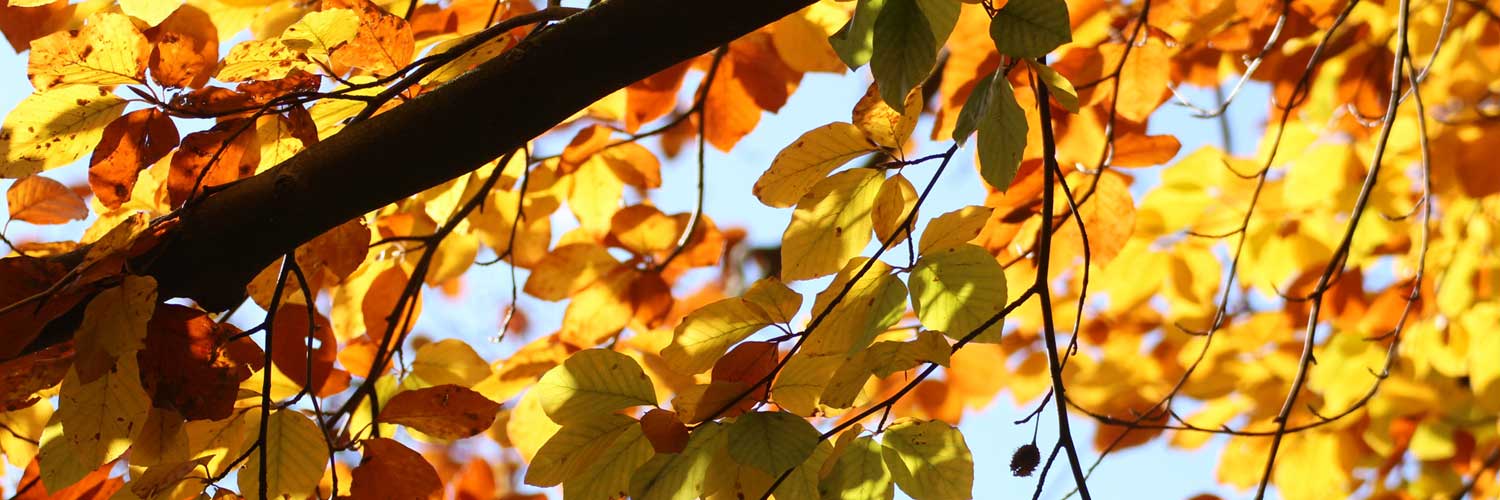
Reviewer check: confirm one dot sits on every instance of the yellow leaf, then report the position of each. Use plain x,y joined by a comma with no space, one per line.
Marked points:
40,200
873,303
1061,89
595,196
102,417
609,475
568,270
830,225
801,39
266,60
327,114
575,448
447,361
163,440
847,381
318,33
295,457
222,441
957,290
153,12
644,230
107,51
860,472
885,125
929,460
114,326
953,229
895,201
679,476
705,334
59,463
591,382
1484,347
19,445
53,128
463,63
800,384
887,357
277,142
804,163
778,302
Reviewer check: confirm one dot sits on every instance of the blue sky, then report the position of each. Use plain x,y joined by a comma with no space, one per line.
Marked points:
1153,471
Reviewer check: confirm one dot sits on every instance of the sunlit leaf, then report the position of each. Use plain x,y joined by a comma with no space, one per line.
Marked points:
1002,134
679,476
53,128
854,42
40,200
929,460
955,291
318,33
444,411
389,469
804,163
575,448
705,334
591,382
773,442
831,225
108,50
294,459
953,229
904,50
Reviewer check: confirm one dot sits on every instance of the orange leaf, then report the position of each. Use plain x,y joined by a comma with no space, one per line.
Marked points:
644,230
1143,79
665,431
390,470
585,144
24,24
187,48
731,112
654,96
445,411
289,350
1109,215
229,152
383,44
746,365
40,200
96,484
1139,150
130,144
759,69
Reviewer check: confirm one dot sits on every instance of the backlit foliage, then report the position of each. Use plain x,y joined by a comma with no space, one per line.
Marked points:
1326,300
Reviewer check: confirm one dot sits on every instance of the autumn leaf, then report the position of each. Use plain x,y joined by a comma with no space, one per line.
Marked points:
884,125
773,442
186,48
40,200
804,163
677,475
129,144
957,290
51,129
953,229
101,417
317,34
444,411
830,225
705,334
262,60
107,51
292,466
859,472
591,382
929,460
389,469
610,474
665,431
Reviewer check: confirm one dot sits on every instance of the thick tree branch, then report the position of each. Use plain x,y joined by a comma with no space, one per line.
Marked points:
222,242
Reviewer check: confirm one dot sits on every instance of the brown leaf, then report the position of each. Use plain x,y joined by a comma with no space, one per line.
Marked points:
390,470
665,431
22,377
22,279
186,365
446,411
210,102
130,144
264,91
40,200
187,48
289,350
229,152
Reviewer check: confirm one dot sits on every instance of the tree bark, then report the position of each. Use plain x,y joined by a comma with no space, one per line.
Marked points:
224,241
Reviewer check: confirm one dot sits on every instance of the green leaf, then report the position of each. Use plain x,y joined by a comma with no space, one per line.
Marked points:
295,457
1002,135
592,382
904,51
679,476
1061,89
974,108
609,475
773,442
853,43
942,16
830,225
705,334
1031,28
929,460
859,474
957,290
574,448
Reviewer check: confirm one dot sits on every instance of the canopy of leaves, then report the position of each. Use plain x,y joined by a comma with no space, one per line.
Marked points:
234,282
